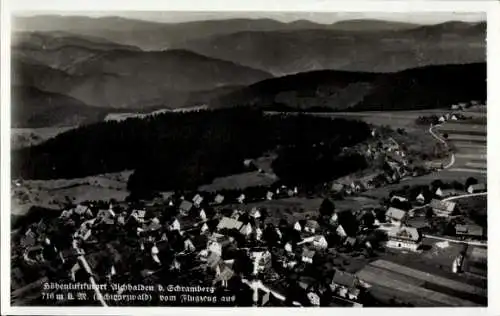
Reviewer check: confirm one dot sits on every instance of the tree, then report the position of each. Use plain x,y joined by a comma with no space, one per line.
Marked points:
327,208
470,181
264,214
429,214
457,185
436,184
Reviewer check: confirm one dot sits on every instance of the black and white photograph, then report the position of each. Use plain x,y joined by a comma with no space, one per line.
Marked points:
248,159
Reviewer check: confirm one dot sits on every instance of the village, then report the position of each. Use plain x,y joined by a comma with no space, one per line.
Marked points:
260,259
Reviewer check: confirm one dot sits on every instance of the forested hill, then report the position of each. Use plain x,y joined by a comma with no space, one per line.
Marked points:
184,150
418,88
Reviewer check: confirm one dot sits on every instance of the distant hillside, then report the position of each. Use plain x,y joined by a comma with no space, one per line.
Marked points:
288,52
420,88
55,40
60,50
372,25
156,36
125,79
42,77
35,108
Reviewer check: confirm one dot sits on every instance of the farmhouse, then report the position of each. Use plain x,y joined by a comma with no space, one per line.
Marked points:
297,226
311,226
340,231
218,199
246,230
442,208
308,255
476,188
204,228
203,215
197,200
320,242
269,195
175,225
83,210
333,219
439,192
469,231
139,215
420,198
345,285
241,198
185,207
350,242
407,238
395,216
255,213
337,187
229,223
449,192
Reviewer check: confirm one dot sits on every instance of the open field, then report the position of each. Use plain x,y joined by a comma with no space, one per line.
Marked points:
394,119
475,203
469,142
25,137
467,138
463,126
425,287
239,181
51,193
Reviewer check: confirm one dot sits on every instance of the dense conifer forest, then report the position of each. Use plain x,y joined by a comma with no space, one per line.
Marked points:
184,150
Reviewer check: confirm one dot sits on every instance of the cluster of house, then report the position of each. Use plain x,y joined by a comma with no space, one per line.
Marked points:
401,236
463,105
451,117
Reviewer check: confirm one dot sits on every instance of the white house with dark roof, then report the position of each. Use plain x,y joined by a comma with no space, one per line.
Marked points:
476,188
297,226
395,216
420,198
340,231
175,225
407,238
203,215
204,228
439,192
188,245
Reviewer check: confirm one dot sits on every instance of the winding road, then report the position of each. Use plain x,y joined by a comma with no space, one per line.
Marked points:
442,141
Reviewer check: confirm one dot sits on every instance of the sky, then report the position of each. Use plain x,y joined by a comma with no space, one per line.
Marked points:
322,17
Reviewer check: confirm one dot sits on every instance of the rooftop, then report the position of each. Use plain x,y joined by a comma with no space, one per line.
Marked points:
395,213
